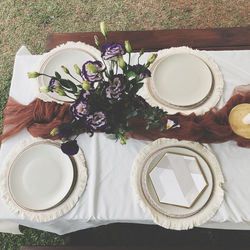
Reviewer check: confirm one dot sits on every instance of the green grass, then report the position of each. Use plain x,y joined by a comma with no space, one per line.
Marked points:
28,23
30,237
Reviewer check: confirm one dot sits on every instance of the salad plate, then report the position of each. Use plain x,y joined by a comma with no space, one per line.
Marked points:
175,190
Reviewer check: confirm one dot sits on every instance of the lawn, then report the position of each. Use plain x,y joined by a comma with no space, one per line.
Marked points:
28,23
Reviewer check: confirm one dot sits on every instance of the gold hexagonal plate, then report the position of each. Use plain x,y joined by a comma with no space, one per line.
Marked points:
178,180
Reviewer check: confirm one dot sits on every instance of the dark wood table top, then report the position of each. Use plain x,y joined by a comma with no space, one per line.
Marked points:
153,40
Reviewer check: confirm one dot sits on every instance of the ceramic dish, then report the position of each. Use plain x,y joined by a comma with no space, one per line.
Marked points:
183,80
67,55
150,192
41,177
53,181
172,216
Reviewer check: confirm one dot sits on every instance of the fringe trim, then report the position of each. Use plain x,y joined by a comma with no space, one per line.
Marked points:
198,218
217,80
54,213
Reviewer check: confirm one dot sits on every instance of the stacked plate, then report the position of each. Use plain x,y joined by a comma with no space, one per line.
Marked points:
41,177
184,80
150,192
43,183
164,186
66,55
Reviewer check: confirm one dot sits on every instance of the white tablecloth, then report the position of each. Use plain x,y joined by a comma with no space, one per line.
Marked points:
108,197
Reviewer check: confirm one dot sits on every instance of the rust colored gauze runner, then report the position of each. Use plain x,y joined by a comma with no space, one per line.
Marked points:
41,117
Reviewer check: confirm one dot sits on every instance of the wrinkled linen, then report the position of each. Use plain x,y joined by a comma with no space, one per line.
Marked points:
108,197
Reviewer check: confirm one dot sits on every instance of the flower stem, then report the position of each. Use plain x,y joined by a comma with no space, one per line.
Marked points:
75,78
138,62
76,136
116,68
53,77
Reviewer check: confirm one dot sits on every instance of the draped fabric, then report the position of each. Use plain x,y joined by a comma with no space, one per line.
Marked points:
38,117
212,127
41,117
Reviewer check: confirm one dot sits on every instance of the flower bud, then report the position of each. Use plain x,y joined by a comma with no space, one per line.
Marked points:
97,41
77,69
141,52
64,139
60,91
123,140
121,62
33,74
92,68
152,58
103,28
54,131
128,46
85,85
44,89
65,69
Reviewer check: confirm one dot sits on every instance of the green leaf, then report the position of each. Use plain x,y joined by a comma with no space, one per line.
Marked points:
131,74
68,85
107,74
57,75
132,114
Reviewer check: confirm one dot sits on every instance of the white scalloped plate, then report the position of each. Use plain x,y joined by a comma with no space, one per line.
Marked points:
184,80
67,55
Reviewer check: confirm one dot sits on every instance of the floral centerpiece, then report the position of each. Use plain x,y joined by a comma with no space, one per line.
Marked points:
106,98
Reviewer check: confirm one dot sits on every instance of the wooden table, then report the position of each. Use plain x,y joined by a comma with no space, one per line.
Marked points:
153,40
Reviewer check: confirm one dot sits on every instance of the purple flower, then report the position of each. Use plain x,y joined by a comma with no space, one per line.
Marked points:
92,71
142,71
79,109
65,130
115,87
53,84
112,51
85,94
97,121
70,147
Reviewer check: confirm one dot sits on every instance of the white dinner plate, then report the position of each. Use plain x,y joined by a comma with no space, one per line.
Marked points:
41,177
67,55
150,192
182,80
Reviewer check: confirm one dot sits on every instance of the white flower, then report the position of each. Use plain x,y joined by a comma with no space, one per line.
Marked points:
172,124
